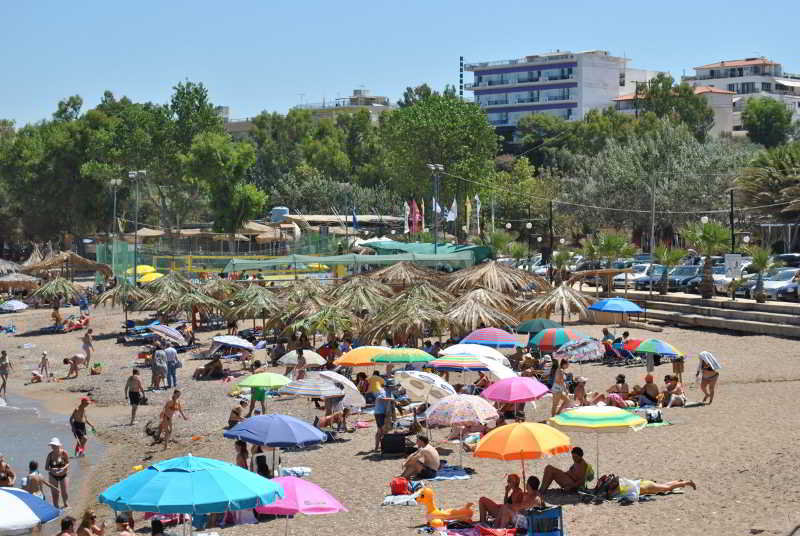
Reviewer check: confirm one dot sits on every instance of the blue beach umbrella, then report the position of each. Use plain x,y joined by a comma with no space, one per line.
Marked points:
616,305
191,485
276,431
22,511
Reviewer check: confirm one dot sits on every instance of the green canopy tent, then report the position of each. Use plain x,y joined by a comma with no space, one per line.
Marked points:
460,259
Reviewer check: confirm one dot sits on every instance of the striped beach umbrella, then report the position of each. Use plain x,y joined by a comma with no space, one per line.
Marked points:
168,333
553,338
22,511
475,350
657,346
459,363
360,357
493,337
598,419
403,355
581,350
311,387
460,410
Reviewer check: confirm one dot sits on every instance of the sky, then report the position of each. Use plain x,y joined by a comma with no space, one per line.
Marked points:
274,54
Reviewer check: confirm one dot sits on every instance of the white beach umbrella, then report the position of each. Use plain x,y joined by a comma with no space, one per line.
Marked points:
422,386
236,342
476,350
352,396
312,358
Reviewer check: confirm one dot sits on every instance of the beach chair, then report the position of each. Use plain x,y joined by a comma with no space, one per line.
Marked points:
546,522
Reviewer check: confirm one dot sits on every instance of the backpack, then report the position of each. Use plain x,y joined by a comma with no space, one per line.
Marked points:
653,416
399,486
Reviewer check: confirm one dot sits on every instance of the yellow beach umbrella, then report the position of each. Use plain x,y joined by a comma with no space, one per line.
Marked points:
522,441
141,269
150,276
360,357
317,266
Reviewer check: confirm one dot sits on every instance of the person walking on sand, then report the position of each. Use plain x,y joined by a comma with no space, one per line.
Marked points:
34,483
78,421
134,392
88,346
44,370
172,405
173,363
5,369
708,371
57,467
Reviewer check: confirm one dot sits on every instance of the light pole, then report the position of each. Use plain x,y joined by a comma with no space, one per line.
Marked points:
529,226
115,183
435,170
135,176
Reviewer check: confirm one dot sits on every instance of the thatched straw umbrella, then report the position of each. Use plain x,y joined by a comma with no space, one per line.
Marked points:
8,267
255,301
403,274
563,298
123,293
358,282
330,319
410,314
427,292
35,257
481,308
57,290
220,289
494,276
172,283
191,302
361,294
19,282
67,261
304,289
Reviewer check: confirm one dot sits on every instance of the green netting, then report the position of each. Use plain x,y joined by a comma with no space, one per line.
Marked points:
392,247
461,259
117,254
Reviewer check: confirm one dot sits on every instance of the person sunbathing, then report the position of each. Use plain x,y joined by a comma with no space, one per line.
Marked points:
614,395
339,418
650,487
509,514
673,394
569,480
212,369
579,398
649,393
423,464
513,495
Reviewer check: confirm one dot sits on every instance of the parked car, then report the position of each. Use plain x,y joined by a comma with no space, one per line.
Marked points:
718,274
654,277
616,265
789,260
790,291
643,258
777,283
639,271
680,276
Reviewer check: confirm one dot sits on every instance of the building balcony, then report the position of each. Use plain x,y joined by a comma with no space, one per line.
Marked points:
518,82
498,122
496,102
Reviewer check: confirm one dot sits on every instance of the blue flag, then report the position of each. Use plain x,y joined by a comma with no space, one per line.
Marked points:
355,219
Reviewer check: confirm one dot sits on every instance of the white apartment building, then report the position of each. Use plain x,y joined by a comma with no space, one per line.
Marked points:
747,78
562,83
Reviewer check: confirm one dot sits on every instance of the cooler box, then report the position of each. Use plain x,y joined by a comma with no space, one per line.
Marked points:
547,522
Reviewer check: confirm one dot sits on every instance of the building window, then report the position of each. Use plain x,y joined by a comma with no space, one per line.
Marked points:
766,86
732,87
747,87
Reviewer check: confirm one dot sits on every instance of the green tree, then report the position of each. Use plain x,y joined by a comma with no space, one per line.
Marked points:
762,262
667,257
442,130
679,102
707,239
767,121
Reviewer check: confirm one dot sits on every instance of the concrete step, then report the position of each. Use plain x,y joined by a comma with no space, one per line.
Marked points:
732,314
741,304
717,322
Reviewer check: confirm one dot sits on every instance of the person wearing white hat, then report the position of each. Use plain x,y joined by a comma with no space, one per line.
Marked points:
43,367
57,467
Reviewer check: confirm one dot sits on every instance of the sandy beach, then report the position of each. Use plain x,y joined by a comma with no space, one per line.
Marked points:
741,451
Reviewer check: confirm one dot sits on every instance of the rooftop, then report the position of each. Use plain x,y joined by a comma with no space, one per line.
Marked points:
738,63
698,90
558,55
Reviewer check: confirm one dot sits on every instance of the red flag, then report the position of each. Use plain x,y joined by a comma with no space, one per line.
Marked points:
416,217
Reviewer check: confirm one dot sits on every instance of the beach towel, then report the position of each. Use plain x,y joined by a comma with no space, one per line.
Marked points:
451,473
400,500
299,472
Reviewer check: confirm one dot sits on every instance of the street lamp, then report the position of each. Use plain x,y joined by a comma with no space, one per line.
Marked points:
528,227
435,170
115,183
704,220
136,175
561,241
508,226
746,239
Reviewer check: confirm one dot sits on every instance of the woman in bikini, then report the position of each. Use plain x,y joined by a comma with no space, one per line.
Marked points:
5,369
559,386
509,514
513,495
708,378
88,346
614,395
89,526
57,467
172,405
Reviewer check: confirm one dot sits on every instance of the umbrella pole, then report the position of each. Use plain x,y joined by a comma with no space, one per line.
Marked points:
461,447
287,526
597,453
522,463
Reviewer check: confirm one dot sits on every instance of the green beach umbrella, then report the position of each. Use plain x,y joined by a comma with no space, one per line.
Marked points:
535,325
657,346
266,380
403,355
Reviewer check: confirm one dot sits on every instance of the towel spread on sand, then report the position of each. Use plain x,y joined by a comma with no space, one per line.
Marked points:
400,500
298,472
451,472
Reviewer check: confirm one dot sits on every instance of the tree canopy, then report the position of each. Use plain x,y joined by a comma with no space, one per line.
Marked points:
767,121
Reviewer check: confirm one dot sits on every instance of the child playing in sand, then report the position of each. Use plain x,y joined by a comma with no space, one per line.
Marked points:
74,362
44,372
34,483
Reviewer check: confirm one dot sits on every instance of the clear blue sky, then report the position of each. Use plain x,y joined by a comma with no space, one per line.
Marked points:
262,55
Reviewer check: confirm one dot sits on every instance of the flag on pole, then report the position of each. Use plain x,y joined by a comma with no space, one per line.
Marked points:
453,214
415,216
469,215
478,212
405,218
422,212
493,214
436,208
355,219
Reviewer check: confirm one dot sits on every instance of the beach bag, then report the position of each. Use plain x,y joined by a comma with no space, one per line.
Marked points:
653,416
399,486
486,531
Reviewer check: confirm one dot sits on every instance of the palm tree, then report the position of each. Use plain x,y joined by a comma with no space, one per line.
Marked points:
560,264
122,293
330,319
708,239
517,251
667,257
773,178
762,262
497,241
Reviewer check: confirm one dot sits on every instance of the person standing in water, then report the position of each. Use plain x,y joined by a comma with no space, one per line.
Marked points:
88,346
78,421
134,392
57,466
35,482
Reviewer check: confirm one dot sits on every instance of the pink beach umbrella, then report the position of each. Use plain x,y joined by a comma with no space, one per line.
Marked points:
301,497
515,390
